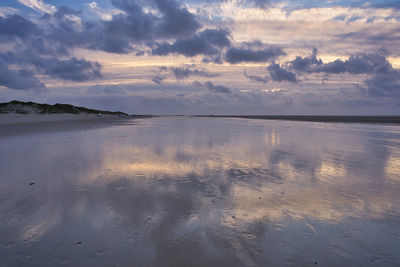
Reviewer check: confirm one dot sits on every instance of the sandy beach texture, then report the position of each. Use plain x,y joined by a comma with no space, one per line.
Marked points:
16,124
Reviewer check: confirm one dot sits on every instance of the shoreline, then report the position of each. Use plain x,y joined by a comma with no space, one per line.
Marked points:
33,123
20,124
328,119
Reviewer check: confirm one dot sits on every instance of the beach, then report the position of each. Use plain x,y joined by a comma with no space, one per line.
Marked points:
16,124
81,190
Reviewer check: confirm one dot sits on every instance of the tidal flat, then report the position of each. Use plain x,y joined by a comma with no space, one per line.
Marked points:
182,191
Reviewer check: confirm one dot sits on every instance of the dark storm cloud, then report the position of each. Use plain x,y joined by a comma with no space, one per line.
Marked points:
181,73
256,78
252,44
356,64
384,84
212,87
45,47
134,26
111,43
279,74
44,51
40,58
16,26
217,88
159,75
362,63
126,31
335,67
158,79
118,34
208,42
130,31
18,79
185,72
65,30
304,64
73,69
238,55
383,81
176,21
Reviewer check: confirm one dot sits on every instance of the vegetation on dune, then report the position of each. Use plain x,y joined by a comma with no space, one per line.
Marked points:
32,107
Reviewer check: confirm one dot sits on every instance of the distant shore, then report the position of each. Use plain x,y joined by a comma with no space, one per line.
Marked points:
18,117
20,107
19,124
343,119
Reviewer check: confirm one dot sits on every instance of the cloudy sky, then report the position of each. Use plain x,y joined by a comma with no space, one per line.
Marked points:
203,57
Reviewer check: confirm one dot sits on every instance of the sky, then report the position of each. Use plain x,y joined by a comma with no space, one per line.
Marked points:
204,57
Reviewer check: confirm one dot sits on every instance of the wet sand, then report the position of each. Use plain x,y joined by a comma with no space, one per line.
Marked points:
17,124
180,191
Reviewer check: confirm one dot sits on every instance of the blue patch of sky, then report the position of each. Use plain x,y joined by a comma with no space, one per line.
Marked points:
15,4
74,4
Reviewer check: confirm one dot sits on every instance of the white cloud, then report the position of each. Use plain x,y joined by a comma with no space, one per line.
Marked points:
92,5
104,14
235,11
39,6
5,11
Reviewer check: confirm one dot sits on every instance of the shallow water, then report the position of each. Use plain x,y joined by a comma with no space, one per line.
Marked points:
177,191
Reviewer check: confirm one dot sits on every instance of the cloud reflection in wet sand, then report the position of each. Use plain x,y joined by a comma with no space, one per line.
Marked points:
200,191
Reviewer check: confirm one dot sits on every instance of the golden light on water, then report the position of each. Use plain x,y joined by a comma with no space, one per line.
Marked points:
392,167
331,170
